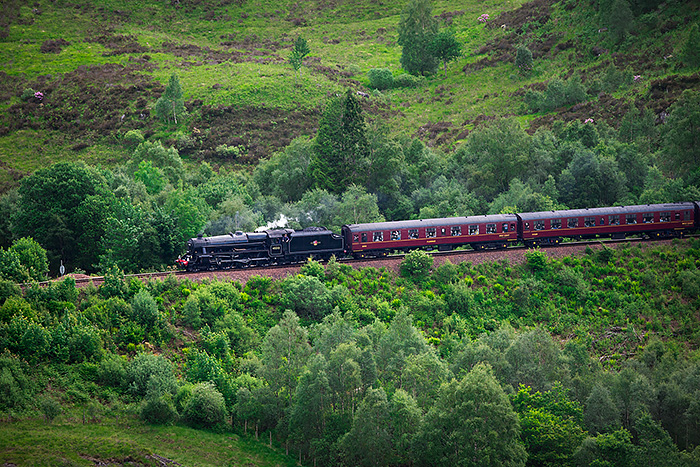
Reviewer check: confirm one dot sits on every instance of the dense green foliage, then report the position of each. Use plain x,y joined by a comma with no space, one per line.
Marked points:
583,359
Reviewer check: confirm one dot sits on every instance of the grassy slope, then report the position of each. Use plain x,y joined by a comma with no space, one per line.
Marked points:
33,442
236,57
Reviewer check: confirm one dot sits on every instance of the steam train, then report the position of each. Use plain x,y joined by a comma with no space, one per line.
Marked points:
287,246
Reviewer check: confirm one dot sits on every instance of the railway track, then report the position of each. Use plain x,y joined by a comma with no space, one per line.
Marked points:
391,261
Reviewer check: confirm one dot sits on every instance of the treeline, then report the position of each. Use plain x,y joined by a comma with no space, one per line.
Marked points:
138,216
587,360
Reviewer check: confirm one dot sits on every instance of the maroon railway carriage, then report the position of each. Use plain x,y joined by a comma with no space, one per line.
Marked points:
652,220
381,238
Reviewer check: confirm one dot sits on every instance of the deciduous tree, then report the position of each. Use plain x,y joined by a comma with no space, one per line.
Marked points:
471,424
171,105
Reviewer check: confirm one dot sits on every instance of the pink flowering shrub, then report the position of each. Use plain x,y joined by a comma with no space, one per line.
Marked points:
483,18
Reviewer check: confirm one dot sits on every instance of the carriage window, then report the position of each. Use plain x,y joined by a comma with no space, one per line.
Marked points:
364,237
412,233
512,227
589,221
504,227
602,221
378,236
430,232
556,224
687,215
614,220
678,216
490,228
396,235
631,218
648,218
355,238
456,231
442,231
527,226
665,217
473,230
539,225
572,223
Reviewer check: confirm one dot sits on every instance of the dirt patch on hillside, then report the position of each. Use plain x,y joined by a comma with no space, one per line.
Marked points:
663,93
86,103
519,23
53,46
261,131
118,44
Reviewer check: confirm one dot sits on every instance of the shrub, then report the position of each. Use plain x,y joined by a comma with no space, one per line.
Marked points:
112,370
690,53
558,94
50,407
380,78
145,309
229,152
15,387
148,372
27,94
406,80
205,407
133,138
158,410
523,58
416,265
536,260
313,268
306,296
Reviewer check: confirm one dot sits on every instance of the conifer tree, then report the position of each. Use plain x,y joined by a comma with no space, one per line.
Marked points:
417,29
341,148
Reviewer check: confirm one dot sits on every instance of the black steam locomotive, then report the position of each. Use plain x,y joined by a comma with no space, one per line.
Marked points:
286,246
279,246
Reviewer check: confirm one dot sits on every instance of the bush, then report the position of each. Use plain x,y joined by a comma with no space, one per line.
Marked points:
148,372
523,59
50,407
133,138
145,309
112,370
558,94
229,152
406,80
380,78
313,268
27,94
158,410
536,260
306,296
416,265
205,407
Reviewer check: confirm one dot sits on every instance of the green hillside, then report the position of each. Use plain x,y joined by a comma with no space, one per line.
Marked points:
102,65
127,128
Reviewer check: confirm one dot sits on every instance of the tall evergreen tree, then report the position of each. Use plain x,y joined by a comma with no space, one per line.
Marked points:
417,29
341,148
